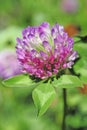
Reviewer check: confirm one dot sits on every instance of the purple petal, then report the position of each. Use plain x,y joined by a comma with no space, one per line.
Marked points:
47,46
73,56
44,55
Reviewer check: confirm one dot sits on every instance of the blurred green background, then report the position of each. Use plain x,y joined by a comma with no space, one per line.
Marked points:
17,111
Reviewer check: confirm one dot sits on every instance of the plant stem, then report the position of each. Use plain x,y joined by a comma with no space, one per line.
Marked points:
65,109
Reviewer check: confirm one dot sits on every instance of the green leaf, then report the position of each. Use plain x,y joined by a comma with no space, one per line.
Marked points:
18,81
81,48
67,81
81,66
43,96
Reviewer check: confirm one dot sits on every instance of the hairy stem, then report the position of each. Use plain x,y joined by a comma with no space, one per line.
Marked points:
64,110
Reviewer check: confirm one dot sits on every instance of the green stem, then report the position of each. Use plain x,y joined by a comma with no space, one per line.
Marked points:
65,109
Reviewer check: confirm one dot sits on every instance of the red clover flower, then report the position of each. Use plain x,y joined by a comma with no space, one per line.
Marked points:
8,64
44,51
69,6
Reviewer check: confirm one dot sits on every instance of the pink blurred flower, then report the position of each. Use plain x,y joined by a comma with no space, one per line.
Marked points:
69,6
8,64
44,51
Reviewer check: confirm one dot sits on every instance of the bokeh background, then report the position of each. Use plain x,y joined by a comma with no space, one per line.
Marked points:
17,111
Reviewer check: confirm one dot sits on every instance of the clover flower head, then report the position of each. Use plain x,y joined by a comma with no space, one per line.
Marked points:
43,50
69,6
8,64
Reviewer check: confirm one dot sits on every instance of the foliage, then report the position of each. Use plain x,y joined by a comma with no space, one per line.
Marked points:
17,112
